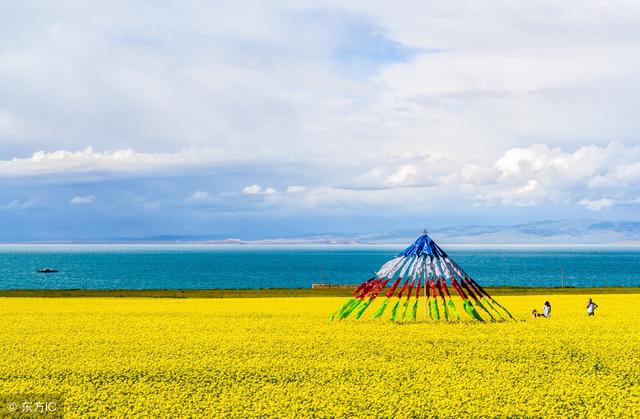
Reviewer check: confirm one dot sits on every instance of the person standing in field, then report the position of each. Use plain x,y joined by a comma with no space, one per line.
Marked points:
591,307
546,309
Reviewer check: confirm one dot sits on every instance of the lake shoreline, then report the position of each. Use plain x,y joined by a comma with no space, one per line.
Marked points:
283,292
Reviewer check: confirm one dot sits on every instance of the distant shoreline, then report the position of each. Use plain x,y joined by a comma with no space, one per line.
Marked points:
284,292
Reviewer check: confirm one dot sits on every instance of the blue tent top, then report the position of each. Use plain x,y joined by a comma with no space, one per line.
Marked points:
423,246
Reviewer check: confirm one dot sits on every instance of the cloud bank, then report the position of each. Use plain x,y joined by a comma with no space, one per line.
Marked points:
329,115
89,160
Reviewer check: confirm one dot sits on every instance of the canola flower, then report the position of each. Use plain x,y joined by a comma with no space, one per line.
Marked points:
282,357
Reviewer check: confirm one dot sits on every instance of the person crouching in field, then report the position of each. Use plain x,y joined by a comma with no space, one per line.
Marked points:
546,310
591,307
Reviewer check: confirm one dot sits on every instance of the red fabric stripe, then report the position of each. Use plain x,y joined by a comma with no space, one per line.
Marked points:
477,287
404,287
410,288
456,287
465,285
393,287
366,290
379,288
443,288
361,286
439,287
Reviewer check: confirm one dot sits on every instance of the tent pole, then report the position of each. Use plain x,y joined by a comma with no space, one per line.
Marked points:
424,276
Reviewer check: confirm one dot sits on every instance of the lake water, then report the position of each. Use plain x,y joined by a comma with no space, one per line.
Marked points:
200,266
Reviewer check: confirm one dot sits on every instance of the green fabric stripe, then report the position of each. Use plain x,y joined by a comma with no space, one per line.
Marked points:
479,304
406,306
505,310
471,311
446,311
436,310
394,311
486,301
342,308
363,308
380,310
452,306
349,309
434,313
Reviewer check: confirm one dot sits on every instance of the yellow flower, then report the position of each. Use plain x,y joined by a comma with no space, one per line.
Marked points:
277,357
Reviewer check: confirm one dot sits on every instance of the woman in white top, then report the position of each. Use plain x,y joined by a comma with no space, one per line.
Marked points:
591,307
546,309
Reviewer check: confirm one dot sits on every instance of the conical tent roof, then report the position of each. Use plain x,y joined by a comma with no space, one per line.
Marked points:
423,270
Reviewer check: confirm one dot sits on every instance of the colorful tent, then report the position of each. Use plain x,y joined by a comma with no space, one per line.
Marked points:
422,269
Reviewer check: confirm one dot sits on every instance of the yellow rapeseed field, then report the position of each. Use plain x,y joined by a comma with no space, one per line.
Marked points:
282,357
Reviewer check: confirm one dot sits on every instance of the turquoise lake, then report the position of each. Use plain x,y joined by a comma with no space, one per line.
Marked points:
202,267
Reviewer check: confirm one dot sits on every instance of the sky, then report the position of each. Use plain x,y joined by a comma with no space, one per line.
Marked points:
263,119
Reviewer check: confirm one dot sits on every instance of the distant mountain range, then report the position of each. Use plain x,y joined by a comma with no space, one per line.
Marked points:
573,231
578,231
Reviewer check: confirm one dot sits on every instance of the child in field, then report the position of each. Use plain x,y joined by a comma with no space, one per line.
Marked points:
534,313
591,307
546,310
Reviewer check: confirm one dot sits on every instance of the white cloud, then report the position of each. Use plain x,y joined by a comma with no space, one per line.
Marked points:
520,176
595,177
252,190
476,174
82,200
466,119
21,204
198,196
87,160
258,190
598,204
592,176
294,189
504,75
403,170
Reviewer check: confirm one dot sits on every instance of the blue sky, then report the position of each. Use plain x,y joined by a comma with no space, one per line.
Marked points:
278,119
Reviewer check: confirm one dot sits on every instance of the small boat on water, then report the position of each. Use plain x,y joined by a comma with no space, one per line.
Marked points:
47,270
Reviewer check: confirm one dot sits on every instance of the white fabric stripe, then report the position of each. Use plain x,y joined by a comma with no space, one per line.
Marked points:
390,267
395,267
452,267
436,267
405,267
415,264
